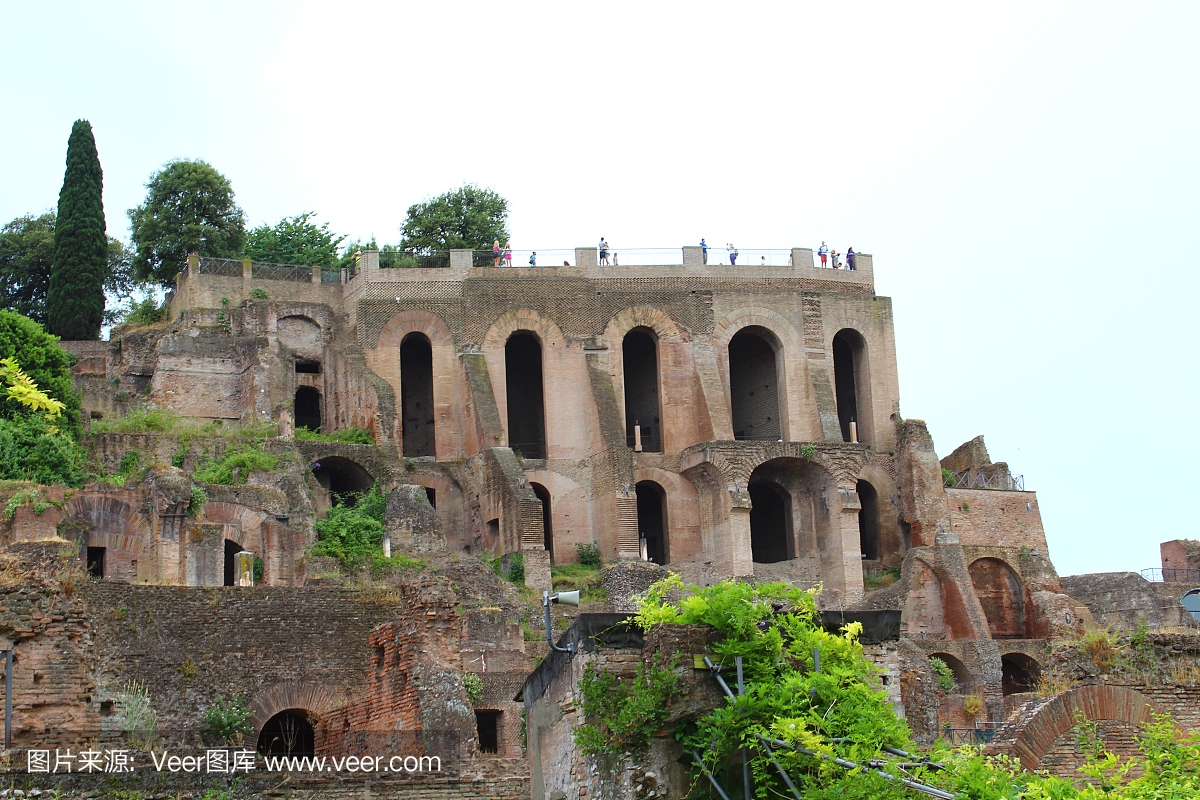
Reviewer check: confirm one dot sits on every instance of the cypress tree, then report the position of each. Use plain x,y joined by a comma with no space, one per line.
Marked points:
75,299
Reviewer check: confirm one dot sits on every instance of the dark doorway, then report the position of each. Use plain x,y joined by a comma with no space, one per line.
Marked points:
849,370
343,479
95,561
431,496
652,520
308,408
491,535
416,395
770,523
308,367
488,725
232,548
639,358
754,385
1018,673
288,733
547,518
868,520
526,403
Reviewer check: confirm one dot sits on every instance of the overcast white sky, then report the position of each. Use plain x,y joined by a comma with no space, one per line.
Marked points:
1025,175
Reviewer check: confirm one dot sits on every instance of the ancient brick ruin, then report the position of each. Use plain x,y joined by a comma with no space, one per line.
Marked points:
722,422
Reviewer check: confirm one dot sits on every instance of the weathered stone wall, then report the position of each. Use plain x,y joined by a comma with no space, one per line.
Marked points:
996,518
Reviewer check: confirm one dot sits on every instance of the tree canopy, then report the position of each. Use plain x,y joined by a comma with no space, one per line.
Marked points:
42,359
294,240
26,253
75,296
467,217
189,207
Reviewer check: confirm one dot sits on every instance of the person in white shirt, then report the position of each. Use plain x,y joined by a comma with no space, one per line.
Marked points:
823,252
603,246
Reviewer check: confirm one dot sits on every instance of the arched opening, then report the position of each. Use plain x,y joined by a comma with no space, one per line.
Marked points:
652,520
416,395
1002,596
307,408
851,383
526,403
639,359
547,518
962,676
754,385
770,522
288,733
1018,673
343,479
232,548
868,521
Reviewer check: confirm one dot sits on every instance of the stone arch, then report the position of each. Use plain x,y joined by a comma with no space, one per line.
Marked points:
1001,592
650,317
683,518
342,477
243,519
935,607
570,510
317,699
1019,672
789,363
523,319
715,509
116,526
677,409
852,384
383,357
963,679
892,547
1033,738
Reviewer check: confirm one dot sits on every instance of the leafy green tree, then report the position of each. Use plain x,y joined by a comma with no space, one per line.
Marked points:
43,360
75,296
189,207
294,240
26,253
467,217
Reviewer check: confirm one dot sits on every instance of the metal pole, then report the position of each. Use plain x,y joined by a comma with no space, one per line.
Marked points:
745,754
709,775
8,658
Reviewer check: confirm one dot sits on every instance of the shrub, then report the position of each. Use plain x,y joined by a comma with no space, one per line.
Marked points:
474,686
159,420
229,720
138,718
31,449
624,715
973,705
353,534
945,676
44,361
808,451
589,554
146,312
346,435
196,503
236,465
259,293
516,568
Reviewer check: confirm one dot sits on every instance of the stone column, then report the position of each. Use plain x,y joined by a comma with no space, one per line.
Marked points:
316,275
693,258
461,259
741,554
802,257
851,579
243,568
586,257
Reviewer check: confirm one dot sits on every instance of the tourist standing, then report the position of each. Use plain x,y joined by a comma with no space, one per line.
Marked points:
733,254
496,253
703,251
849,258
823,252
603,247
533,259
507,255
615,264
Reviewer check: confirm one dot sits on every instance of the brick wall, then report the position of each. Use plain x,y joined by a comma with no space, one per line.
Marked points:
997,518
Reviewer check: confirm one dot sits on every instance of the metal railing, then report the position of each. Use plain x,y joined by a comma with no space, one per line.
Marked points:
331,277
969,479
414,259
976,736
1171,575
228,267
263,270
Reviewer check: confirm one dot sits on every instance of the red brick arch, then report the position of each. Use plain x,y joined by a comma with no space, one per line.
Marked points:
318,700
1034,737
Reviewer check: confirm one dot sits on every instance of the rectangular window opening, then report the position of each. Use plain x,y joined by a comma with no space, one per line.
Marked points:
488,725
95,562
310,367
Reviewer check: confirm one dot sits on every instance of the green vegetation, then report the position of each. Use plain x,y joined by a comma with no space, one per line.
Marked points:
837,712
878,579
147,312
36,431
236,465
584,577
259,293
294,240
46,364
26,253
474,686
467,217
75,296
589,554
229,720
353,534
128,469
808,451
948,477
33,497
945,676
347,435
196,503
138,718
161,420
189,207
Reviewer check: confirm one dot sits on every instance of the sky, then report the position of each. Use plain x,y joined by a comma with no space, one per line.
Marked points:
1024,175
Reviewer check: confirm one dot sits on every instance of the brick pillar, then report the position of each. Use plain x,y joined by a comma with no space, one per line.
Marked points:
586,257
693,257
537,568
802,257
316,275
851,579
461,259
741,555
369,261
193,266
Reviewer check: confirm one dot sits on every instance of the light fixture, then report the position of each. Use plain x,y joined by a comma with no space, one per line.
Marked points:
567,599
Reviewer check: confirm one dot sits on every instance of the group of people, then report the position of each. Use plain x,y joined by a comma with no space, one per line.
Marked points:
825,253
605,254
729,248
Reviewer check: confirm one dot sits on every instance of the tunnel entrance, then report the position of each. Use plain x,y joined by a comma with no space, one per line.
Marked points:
962,675
288,733
754,385
770,523
639,358
849,379
487,724
232,548
547,518
343,479
307,408
95,561
868,521
526,401
416,396
652,520
1018,673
